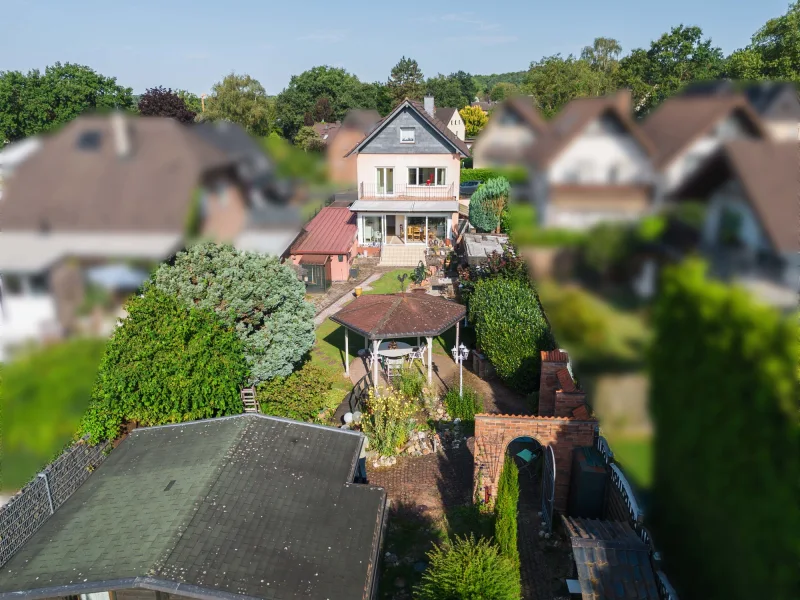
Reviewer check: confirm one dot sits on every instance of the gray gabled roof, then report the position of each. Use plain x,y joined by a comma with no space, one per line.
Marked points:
245,506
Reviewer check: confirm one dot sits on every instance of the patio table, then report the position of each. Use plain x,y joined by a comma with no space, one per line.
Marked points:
401,350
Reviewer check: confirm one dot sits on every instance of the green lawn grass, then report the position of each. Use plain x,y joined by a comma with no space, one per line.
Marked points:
635,456
389,284
44,395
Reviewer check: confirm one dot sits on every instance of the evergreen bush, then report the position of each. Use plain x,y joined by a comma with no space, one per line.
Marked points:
505,528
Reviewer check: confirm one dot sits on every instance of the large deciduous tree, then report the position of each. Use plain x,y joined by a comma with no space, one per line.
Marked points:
243,100
673,61
252,292
446,91
37,102
166,363
406,81
300,103
161,102
475,119
554,81
502,91
603,54
191,100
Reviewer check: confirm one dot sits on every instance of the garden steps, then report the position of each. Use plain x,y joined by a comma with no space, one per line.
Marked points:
402,255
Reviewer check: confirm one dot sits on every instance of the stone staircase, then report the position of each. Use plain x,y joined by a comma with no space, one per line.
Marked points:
401,255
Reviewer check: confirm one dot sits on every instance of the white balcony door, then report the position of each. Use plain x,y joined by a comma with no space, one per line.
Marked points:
384,181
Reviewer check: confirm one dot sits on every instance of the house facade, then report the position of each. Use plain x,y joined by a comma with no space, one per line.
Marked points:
513,128
593,164
408,171
452,118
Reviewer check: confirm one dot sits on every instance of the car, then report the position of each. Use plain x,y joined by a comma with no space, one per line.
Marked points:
468,188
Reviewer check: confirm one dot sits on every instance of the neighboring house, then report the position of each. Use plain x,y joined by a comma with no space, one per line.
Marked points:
326,131
356,124
14,154
687,129
450,117
750,233
487,106
513,128
593,164
777,103
248,506
409,170
106,189
326,247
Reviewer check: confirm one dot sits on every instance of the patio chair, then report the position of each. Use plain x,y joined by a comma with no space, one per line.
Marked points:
417,353
393,366
528,458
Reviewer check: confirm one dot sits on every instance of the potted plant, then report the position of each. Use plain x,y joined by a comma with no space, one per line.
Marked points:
358,291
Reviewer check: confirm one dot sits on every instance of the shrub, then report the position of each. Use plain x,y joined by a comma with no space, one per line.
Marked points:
487,204
165,363
510,329
514,175
576,317
607,246
469,568
462,407
300,396
727,439
410,382
254,293
43,395
505,528
386,421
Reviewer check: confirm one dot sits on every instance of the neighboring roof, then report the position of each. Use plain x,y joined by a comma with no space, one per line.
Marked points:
327,131
768,173
613,563
248,505
332,231
315,259
444,114
274,242
74,190
525,107
448,206
485,106
15,153
680,120
417,107
760,94
382,316
33,252
576,116
238,145
361,119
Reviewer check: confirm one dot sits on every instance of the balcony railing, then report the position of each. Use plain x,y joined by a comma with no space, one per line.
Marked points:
402,191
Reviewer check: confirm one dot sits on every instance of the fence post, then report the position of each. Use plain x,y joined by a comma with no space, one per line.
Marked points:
43,475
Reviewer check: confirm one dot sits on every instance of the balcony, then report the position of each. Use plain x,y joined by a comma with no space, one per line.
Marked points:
402,191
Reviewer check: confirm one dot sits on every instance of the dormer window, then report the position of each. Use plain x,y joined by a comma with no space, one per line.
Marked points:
89,140
407,135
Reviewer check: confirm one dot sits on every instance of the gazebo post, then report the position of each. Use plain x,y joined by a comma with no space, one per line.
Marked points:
375,365
430,359
347,351
457,324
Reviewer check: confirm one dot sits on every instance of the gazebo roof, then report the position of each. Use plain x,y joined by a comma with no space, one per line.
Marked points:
382,316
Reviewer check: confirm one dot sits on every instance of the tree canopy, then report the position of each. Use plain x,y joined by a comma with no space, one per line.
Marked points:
474,119
502,91
166,363
254,293
161,102
406,81
38,102
446,91
243,100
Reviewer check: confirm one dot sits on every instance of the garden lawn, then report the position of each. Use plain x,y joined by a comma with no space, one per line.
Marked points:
389,284
43,397
328,352
634,453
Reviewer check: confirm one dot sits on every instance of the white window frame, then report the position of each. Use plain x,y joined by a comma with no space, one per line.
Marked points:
413,131
436,171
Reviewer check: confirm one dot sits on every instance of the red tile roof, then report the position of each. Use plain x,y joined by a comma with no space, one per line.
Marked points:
554,356
565,381
332,231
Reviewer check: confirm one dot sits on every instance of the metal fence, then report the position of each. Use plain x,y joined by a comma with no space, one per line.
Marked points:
25,512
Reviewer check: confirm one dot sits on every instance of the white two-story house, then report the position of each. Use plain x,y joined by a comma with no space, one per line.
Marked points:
593,164
408,169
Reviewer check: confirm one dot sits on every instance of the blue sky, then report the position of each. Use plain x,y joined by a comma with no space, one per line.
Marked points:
190,45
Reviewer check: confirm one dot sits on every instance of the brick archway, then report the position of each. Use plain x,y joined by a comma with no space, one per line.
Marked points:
493,434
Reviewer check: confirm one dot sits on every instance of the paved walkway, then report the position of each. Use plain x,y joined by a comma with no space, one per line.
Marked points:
347,297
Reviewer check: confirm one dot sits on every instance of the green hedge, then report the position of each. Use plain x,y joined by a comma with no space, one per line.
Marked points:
166,363
724,401
505,529
510,329
514,175
463,407
302,396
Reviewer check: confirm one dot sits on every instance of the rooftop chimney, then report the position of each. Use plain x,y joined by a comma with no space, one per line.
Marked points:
122,140
428,104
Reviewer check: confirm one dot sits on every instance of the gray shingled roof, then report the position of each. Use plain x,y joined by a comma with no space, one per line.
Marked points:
613,563
247,505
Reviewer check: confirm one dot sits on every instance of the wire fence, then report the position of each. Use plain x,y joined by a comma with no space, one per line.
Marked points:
31,507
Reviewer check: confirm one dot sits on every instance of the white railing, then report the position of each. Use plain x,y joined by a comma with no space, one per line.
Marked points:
402,191
618,478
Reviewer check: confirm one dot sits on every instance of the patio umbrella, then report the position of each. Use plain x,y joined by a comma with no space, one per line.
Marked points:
117,277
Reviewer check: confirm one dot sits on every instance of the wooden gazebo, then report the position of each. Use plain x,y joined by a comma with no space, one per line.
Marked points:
391,316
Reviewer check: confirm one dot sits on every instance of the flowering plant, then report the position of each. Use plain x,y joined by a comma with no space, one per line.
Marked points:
387,421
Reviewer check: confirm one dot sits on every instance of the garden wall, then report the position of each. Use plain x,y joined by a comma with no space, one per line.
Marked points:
493,433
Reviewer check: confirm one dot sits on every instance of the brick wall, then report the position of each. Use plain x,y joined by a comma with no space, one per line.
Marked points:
552,363
493,433
566,402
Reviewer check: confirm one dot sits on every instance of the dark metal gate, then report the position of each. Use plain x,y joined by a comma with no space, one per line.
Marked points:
548,488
